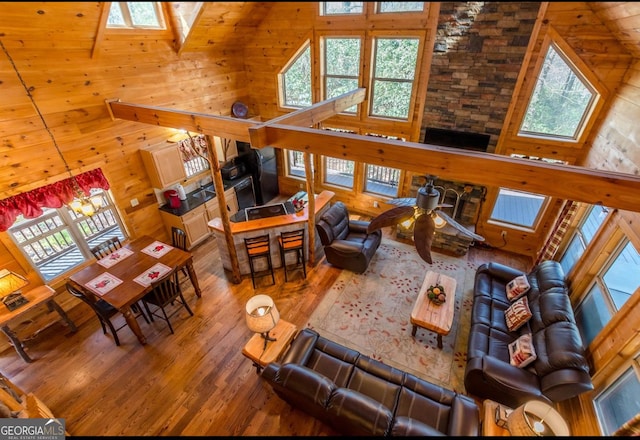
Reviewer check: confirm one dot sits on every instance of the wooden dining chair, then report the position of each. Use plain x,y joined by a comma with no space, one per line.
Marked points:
106,247
103,310
165,292
179,240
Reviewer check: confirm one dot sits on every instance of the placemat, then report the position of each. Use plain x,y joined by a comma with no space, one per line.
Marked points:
152,274
115,257
103,283
157,249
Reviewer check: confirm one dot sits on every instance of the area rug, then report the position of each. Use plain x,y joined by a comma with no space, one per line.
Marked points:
370,313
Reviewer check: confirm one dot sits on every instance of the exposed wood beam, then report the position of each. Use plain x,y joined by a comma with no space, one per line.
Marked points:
221,126
612,189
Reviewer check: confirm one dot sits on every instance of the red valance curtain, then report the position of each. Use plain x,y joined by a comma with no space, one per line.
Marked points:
30,203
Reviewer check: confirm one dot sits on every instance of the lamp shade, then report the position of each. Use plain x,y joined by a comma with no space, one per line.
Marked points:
536,418
262,314
10,282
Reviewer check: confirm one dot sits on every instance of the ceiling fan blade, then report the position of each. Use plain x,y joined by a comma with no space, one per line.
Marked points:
391,217
402,201
423,230
459,227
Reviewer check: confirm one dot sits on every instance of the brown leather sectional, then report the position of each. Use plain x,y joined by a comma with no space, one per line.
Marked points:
357,395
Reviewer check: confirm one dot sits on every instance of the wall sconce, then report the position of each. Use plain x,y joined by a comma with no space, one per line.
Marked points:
536,418
10,285
262,316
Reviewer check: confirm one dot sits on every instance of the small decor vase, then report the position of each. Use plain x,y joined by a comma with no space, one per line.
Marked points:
436,294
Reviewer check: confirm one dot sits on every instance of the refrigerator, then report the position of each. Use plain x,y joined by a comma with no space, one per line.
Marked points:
261,165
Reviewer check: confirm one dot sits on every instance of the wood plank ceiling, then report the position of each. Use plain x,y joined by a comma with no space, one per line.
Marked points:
231,24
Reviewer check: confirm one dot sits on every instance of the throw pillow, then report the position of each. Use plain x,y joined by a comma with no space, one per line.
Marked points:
517,314
517,287
521,351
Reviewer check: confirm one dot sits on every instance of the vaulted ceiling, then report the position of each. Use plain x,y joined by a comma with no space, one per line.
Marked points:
230,24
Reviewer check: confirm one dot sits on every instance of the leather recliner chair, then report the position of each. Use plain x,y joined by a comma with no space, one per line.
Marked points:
346,242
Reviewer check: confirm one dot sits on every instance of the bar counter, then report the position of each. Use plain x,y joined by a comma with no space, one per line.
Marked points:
272,226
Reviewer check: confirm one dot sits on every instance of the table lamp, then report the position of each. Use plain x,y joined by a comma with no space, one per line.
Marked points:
536,418
262,316
10,285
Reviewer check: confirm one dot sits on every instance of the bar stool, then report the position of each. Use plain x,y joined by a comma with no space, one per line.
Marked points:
257,248
292,241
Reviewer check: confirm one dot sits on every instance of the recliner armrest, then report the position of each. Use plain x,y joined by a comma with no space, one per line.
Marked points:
512,380
358,226
499,271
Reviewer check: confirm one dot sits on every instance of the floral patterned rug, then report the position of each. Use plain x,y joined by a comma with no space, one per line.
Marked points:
370,313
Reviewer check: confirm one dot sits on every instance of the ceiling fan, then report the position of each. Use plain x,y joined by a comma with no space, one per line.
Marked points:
425,211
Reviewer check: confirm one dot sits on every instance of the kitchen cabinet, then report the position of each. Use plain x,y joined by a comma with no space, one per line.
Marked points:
164,164
213,210
232,201
194,223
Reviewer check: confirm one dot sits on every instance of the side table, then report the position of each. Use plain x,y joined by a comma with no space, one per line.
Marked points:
489,426
283,332
36,296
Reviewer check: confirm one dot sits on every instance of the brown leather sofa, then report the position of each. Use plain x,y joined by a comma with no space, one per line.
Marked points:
346,242
357,395
560,370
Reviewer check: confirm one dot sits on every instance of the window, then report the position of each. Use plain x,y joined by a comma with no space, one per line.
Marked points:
296,81
186,14
135,15
340,8
341,67
382,180
393,73
295,163
561,101
517,208
383,7
593,219
60,239
611,289
619,402
339,171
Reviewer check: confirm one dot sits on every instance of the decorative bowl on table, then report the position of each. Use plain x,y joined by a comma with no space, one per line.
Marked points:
436,294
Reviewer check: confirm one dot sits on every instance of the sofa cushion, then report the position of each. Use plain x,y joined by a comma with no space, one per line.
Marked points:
517,314
376,380
353,413
332,360
521,351
517,287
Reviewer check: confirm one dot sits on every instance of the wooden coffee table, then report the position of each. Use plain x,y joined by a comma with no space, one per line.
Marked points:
284,332
427,315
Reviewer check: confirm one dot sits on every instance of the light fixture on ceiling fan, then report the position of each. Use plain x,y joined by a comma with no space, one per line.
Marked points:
82,203
425,213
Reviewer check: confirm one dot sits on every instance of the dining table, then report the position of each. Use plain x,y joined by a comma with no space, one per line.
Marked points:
123,277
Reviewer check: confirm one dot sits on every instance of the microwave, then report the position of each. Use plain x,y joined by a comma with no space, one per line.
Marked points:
232,171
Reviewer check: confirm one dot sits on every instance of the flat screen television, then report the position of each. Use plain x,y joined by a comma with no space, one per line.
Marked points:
457,139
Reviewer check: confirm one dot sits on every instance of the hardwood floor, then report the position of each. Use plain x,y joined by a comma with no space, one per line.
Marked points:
195,382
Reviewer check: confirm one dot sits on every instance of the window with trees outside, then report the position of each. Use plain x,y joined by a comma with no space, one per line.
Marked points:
295,80
582,236
341,67
611,288
561,100
341,8
61,239
135,15
393,74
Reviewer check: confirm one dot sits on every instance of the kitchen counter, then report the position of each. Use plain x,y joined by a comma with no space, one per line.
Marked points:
269,225
196,198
